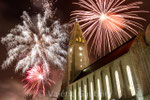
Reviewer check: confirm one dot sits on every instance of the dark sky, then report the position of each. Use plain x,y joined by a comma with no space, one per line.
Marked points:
10,12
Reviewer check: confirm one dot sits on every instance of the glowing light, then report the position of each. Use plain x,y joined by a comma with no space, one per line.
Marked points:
107,87
118,84
103,17
99,89
70,95
81,66
85,69
70,49
85,92
75,96
80,60
130,79
40,77
80,48
92,96
80,54
107,24
79,93
36,80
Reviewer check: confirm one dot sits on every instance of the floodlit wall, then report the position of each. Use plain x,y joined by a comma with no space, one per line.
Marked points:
126,78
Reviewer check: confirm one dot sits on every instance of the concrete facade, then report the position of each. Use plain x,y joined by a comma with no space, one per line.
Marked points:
126,78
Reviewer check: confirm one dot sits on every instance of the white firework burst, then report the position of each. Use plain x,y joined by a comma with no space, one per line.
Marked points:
31,44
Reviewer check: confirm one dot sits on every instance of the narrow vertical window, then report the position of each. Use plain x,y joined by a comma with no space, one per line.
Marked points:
130,79
79,93
75,94
118,84
70,95
99,89
85,92
108,87
92,96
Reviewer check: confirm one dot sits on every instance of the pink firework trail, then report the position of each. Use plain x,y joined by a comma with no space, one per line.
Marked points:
36,80
108,23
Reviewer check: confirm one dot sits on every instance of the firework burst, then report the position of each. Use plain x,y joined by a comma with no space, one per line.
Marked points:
37,46
37,79
108,23
32,44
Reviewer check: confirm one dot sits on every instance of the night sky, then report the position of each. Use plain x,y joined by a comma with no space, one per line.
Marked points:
10,12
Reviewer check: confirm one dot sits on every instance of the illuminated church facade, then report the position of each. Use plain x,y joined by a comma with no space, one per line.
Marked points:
123,74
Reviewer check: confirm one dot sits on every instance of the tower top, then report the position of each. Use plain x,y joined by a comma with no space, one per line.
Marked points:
76,34
76,20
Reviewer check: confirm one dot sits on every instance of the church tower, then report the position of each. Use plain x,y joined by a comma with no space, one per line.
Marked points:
77,53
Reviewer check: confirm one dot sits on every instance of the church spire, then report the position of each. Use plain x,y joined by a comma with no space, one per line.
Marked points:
77,53
77,34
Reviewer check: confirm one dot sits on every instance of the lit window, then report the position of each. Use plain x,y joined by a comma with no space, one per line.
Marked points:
80,39
80,48
70,50
80,54
130,79
77,39
118,84
75,94
91,85
85,92
83,41
80,95
99,91
108,87
70,95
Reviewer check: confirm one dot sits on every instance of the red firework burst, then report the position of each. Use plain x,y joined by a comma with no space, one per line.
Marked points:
36,79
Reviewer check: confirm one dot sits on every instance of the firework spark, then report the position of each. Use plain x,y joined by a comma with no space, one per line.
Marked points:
31,44
108,23
37,78
45,4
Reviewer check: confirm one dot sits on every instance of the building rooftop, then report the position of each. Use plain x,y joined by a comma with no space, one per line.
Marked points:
118,52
